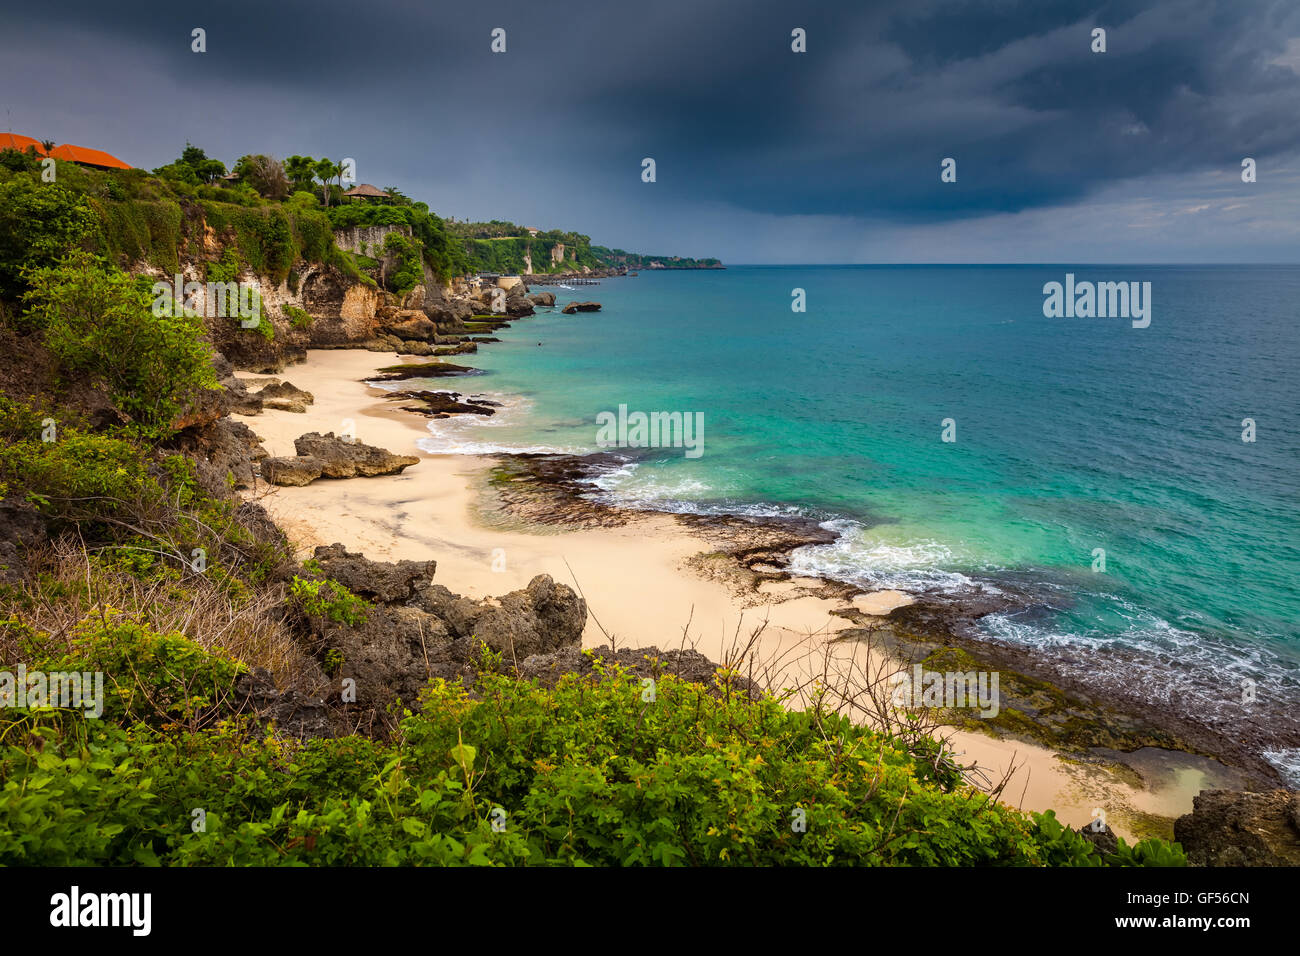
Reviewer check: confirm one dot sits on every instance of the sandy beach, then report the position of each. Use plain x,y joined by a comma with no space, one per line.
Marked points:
636,578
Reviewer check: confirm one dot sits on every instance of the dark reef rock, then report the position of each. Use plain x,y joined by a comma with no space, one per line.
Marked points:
292,713
538,619
460,348
223,453
385,653
398,373
1104,841
443,404
406,638
21,527
573,307
384,581
1240,828
416,631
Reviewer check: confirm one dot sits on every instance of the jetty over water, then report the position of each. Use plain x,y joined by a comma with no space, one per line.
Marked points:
560,280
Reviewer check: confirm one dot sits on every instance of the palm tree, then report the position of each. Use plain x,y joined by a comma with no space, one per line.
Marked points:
326,169
301,169
48,146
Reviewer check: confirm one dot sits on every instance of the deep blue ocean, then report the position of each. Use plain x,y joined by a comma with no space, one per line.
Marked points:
1071,435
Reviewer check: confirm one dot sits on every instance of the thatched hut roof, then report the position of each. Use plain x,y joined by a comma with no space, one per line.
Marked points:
367,191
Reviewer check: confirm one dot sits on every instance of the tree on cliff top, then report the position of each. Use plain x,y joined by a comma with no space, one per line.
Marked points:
326,171
266,174
302,171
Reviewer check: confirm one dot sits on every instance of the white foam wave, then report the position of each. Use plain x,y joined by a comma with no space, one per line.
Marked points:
1287,762
464,434
862,557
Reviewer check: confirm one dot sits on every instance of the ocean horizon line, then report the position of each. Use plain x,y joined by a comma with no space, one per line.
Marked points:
994,265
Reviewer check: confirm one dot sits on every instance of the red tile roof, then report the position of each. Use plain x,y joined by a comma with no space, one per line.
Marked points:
87,156
20,143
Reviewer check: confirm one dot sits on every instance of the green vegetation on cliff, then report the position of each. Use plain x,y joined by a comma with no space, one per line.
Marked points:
504,247
271,217
585,773
98,322
614,258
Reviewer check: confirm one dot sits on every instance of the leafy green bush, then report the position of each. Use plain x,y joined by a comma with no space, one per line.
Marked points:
19,161
39,223
298,319
77,477
408,270
100,322
328,599
585,773
151,678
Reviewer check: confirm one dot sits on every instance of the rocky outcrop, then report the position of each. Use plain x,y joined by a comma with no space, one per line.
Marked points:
573,307
223,453
278,389
286,405
409,324
644,662
285,397
1239,828
325,456
461,348
21,527
542,298
415,630
290,712
292,470
206,406
341,458
385,653
538,619
239,399
449,315
1104,840
384,581
518,305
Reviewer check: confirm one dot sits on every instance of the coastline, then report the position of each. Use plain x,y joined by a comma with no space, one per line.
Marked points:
653,579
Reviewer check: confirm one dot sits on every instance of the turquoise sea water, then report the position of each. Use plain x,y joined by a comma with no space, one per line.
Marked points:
1071,435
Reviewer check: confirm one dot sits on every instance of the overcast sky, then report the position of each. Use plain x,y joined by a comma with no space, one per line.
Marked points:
762,154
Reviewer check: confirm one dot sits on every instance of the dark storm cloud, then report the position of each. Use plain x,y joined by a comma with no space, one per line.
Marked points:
856,127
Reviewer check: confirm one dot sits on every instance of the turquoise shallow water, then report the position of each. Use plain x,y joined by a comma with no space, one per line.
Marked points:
1072,434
